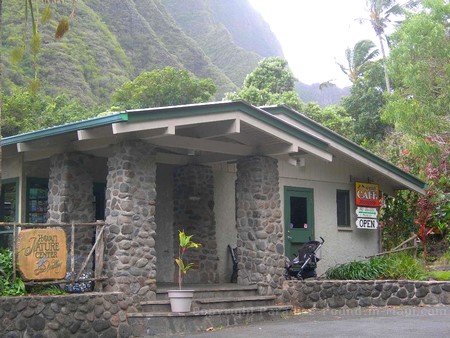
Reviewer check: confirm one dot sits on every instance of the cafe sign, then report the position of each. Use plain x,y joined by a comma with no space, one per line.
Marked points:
42,254
367,195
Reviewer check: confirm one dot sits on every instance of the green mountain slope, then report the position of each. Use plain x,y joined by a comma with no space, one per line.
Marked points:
110,42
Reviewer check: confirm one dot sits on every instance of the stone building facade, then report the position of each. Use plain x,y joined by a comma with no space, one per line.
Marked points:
256,153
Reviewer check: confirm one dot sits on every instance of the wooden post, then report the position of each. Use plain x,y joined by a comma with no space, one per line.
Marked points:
72,253
14,251
99,234
99,252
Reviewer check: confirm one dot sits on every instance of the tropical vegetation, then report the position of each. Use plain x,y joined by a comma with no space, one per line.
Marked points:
397,107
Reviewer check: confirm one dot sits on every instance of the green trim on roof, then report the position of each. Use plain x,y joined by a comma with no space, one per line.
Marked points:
65,128
154,114
306,121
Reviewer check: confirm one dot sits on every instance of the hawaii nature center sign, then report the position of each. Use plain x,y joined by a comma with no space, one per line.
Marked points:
42,254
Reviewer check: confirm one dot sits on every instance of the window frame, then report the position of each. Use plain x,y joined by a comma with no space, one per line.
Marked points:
15,181
346,223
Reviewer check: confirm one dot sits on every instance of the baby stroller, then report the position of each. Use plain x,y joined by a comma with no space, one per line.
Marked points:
304,265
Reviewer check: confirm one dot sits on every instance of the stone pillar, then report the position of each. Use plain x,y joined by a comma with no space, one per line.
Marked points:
260,246
194,213
130,255
71,200
70,196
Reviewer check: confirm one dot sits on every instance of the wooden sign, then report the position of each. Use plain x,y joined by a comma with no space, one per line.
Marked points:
42,254
367,195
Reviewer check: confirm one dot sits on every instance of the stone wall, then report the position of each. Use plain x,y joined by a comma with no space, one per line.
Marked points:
71,200
260,246
130,255
81,315
351,294
70,195
194,213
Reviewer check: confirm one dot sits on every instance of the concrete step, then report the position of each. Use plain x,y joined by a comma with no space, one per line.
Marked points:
211,291
211,303
148,324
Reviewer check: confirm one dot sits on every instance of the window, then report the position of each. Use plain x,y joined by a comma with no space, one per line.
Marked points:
8,211
37,196
343,208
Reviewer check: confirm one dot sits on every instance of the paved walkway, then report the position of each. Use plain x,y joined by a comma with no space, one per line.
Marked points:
398,322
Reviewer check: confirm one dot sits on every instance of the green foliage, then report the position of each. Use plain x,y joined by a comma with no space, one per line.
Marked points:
440,275
8,286
333,117
365,103
358,270
393,266
403,265
272,75
271,83
419,65
185,243
25,111
358,59
397,219
53,290
165,87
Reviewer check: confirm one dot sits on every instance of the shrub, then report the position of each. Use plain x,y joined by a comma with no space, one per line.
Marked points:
8,285
394,266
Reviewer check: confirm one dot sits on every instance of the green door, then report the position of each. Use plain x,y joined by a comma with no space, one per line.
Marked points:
298,218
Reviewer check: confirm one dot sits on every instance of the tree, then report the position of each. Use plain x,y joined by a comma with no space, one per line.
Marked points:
358,59
270,83
380,15
419,63
419,109
365,103
333,117
165,87
18,53
24,111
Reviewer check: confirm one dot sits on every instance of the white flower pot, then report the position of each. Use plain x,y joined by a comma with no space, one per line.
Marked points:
180,300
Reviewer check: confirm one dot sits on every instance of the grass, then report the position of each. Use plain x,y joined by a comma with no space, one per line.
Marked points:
440,275
394,266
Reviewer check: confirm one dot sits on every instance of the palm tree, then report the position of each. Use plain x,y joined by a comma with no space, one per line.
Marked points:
380,15
358,58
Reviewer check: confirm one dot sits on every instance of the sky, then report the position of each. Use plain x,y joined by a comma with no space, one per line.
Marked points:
315,33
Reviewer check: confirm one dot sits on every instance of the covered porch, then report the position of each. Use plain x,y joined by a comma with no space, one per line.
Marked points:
215,170
208,169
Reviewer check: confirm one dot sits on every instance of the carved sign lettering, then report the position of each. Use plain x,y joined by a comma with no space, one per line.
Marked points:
42,254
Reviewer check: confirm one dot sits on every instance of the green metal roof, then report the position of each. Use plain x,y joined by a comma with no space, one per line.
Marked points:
65,128
264,114
306,121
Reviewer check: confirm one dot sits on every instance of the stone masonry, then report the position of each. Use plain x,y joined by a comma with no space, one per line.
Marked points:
334,294
260,248
81,315
194,213
130,255
71,200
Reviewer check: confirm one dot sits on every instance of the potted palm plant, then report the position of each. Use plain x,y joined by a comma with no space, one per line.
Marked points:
181,300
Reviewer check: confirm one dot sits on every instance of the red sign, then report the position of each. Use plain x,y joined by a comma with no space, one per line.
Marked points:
367,195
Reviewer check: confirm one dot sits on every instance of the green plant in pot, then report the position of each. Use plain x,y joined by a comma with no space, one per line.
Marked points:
180,300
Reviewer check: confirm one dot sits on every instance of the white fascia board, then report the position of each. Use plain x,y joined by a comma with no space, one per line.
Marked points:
129,127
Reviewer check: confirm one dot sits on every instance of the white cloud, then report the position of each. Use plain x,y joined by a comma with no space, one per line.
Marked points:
315,33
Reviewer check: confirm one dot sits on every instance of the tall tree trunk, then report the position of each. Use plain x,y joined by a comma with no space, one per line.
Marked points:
383,53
